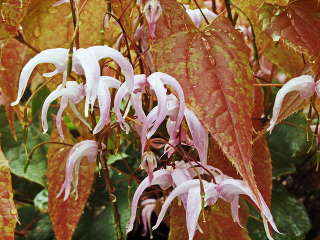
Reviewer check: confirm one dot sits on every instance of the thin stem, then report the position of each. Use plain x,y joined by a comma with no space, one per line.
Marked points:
112,197
75,19
21,39
214,6
48,142
124,35
228,7
254,43
267,84
204,16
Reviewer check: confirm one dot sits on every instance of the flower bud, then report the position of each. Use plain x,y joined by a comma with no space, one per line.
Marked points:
149,163
152,11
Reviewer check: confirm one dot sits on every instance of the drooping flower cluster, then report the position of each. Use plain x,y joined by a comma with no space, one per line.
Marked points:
182,176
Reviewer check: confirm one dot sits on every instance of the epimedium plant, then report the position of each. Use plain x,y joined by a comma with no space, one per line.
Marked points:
159,105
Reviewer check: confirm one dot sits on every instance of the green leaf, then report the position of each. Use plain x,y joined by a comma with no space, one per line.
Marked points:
288,144
38,101
38,164
41,201
289,214
116,157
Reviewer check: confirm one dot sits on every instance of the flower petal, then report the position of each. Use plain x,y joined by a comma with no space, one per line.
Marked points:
88,149
91,69
171,81
161,177
199,135
106,52
56,56
193,210
161,93
63,105
181,189
304,84
197,17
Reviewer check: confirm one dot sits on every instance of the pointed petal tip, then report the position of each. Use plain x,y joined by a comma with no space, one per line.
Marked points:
14,103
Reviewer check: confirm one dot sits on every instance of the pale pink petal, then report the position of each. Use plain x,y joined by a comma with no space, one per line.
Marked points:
106,52
172,82
121,94
60,2
90,66
193,210
181,189
63,105
161,177
230,188
104,100
235,209
152,11
148,207
88,149
197,17
72,91
161,94
56,56
149,163
304,84
199,135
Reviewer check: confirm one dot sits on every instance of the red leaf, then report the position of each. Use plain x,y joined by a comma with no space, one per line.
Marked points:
8,212
14,56
12,13
218,226
65,215
213,69
298,25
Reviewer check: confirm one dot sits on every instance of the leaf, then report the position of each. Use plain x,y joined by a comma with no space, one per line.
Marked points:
285,59
173,19
38,164
43,29
289,214
290,26
41,201
218,226
116,157
65,215
12,13
123,9
213,69
278,2
8,212
288,145
38,225
12,58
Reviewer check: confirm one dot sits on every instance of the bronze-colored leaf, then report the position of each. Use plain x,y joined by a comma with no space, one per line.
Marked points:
8,212
213,69
12,13
218,223
65,215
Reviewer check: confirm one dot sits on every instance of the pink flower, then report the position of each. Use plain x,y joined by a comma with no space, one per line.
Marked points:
72,94
152,11
225,188
104,100
148,207
303,84
165,178
85,62
149,163
57,56
85,149
60,2
197,17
